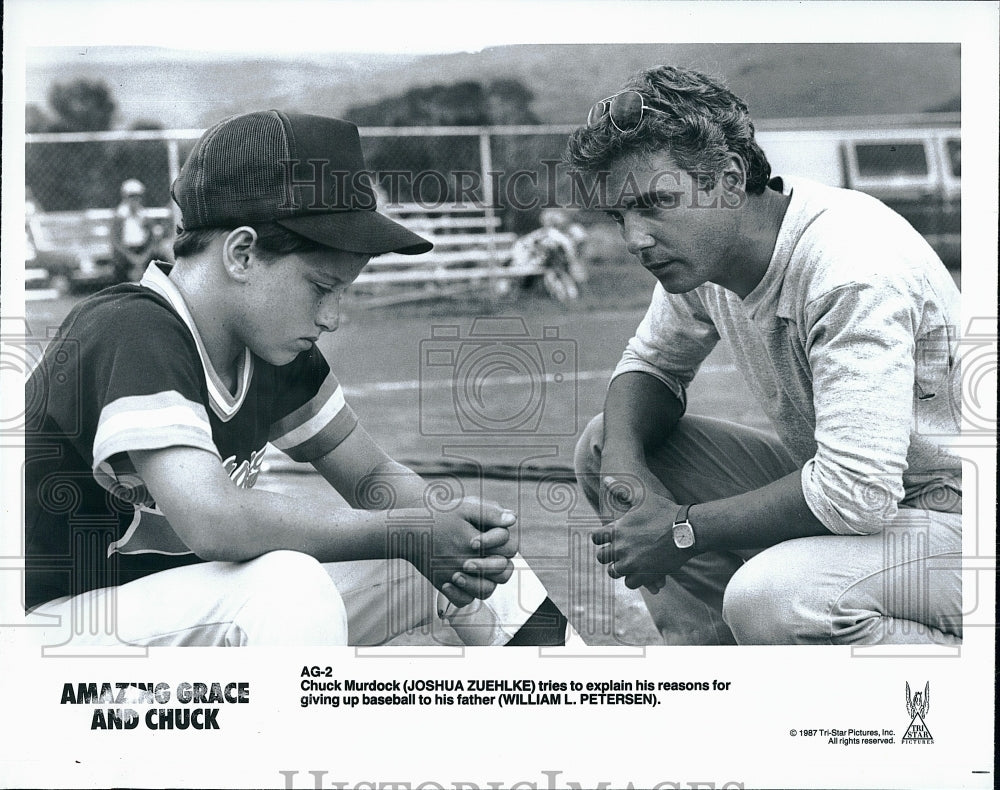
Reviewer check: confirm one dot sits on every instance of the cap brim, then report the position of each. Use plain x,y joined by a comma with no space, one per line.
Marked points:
366,232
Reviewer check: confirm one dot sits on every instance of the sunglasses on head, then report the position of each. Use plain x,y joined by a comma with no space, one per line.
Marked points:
624,109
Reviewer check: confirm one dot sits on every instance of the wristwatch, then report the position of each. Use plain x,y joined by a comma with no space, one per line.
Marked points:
682,529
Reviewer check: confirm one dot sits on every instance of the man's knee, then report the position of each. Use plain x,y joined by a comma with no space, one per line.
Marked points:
767,603
587,457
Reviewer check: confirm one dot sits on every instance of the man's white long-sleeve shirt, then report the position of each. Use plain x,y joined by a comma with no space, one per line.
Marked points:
849,343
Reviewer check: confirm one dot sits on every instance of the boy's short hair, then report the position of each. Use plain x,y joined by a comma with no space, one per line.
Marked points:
698,122
272,239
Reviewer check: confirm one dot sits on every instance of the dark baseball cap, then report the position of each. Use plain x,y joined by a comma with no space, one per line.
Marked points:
305,172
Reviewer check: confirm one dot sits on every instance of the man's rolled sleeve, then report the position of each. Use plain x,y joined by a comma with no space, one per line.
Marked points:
861,350
672,340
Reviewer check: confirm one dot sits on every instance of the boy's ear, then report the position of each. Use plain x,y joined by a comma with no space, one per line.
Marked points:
238,252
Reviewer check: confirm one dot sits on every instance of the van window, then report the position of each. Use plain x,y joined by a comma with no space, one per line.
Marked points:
955,156
884,160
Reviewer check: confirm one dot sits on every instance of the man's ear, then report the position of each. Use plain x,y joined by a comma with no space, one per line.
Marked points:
734,174
239,250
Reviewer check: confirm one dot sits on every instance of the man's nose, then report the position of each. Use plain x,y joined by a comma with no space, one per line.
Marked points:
637,236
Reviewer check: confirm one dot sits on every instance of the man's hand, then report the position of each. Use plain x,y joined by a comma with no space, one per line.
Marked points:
636,542
640,412
622,493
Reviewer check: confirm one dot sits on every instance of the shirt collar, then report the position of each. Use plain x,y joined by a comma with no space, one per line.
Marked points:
224,403
770,284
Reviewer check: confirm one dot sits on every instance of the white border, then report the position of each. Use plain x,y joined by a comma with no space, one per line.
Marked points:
741,736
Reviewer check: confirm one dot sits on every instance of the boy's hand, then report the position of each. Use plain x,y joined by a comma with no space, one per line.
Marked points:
494,544
493,566
484,514
461,561
479,578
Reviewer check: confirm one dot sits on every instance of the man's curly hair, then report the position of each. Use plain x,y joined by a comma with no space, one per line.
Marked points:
700,124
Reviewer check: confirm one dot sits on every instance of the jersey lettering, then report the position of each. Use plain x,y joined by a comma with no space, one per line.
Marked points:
245,473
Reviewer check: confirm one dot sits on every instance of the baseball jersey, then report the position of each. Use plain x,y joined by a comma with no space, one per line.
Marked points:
128,371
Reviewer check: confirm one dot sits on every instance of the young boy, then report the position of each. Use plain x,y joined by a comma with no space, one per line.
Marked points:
156,401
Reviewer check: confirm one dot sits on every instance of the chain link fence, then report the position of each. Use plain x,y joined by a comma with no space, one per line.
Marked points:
509,172
74,180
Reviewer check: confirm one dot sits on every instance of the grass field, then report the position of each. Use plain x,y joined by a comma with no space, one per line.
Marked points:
516,442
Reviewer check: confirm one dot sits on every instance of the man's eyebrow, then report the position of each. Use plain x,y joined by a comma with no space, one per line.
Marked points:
648,198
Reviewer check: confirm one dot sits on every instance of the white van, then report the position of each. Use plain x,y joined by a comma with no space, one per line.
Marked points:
915,169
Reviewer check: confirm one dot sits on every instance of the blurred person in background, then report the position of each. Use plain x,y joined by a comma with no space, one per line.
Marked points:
843,525
555,248
135,238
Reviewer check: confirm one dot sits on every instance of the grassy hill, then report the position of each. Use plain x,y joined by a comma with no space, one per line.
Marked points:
184,89
777,80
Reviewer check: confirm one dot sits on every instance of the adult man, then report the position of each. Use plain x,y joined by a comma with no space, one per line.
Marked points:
155,404
846,527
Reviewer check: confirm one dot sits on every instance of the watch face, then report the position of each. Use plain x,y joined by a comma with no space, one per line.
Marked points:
683,535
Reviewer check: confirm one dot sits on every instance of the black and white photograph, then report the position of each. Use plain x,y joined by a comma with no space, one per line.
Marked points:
540,395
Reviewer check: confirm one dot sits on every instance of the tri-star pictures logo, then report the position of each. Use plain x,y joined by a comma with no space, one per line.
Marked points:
917,707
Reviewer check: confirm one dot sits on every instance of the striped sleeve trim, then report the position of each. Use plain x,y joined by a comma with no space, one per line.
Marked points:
149,422
326,440
316,427
329,390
